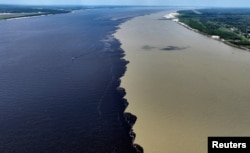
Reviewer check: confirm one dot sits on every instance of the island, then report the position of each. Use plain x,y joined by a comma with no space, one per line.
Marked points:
230,25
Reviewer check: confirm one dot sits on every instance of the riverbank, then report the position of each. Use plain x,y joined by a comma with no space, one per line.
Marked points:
8,12
182,86
174,17
215,23
212,36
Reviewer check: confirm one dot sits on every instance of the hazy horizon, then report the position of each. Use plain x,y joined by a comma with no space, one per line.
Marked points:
206,3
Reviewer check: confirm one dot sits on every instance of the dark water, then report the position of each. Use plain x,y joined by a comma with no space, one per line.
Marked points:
58,83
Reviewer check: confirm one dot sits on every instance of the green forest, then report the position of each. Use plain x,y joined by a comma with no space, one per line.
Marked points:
14,11
232,25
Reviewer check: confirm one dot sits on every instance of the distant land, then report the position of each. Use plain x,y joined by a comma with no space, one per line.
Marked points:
231,25
17,11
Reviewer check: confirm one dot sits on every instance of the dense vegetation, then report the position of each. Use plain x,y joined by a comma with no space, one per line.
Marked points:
13,11
232,25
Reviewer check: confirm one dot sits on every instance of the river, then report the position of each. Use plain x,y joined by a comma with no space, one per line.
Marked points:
183,86
59,76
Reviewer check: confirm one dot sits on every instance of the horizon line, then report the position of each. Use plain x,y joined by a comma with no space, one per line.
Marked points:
116,5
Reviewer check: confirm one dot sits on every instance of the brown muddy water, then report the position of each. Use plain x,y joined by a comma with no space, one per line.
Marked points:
183,86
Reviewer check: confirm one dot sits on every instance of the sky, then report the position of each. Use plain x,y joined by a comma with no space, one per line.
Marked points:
214,3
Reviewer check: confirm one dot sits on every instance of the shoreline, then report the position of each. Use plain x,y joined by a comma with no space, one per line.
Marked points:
24,15
174,18
31,16
49,14
210,36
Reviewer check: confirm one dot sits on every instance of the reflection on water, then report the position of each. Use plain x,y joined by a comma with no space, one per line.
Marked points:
182,97
168,48
173,48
